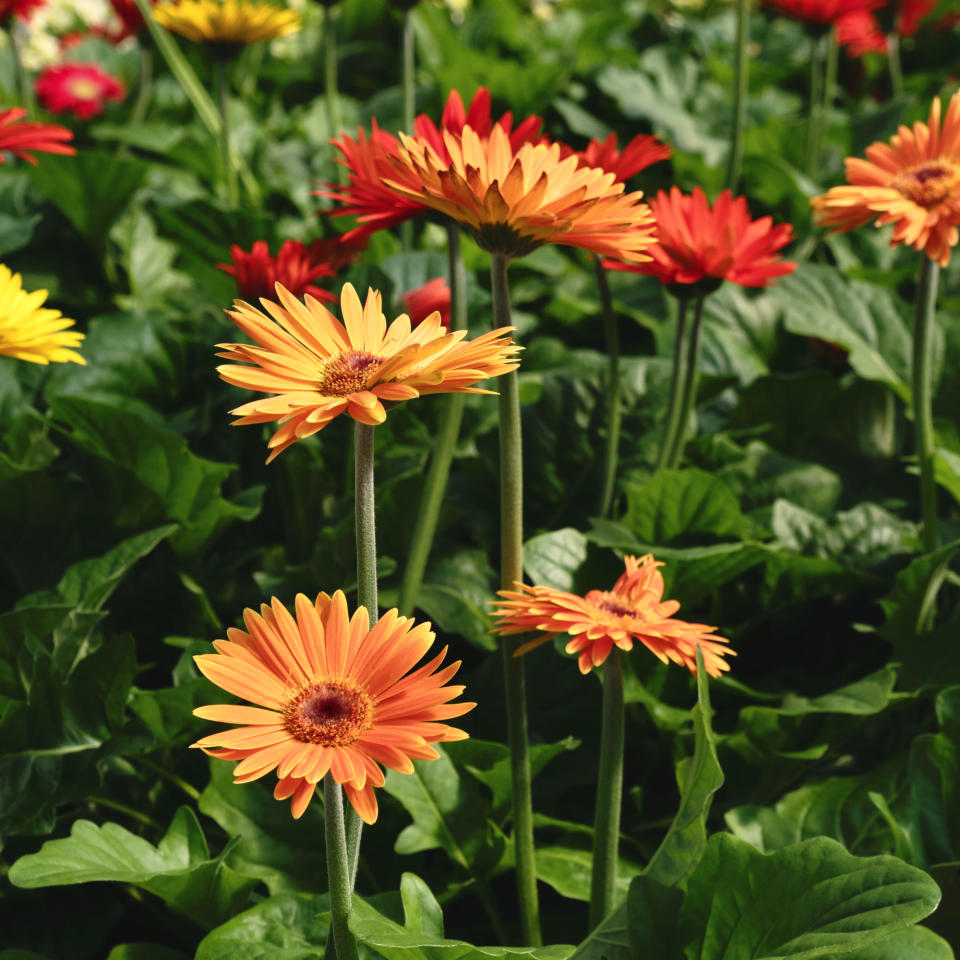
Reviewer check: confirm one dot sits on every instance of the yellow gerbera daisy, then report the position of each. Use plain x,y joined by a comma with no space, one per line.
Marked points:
229,21
29,332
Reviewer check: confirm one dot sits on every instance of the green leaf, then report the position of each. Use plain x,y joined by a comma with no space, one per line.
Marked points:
910,943
946,471
178,870
143,951
16,232
653,917
421,912
457,597
552,559
568,870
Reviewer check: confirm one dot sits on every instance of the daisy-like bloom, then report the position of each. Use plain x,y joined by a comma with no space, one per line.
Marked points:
17,138
316,368
257,273
31,332
331,694
230,22
913,182
633,610
21,9
861,32
697,244
641,152
433,296
512,201
78,88
375,205
820,14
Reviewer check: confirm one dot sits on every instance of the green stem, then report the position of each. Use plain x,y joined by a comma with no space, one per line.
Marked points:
690,381
676,389
330,92
606,823
740,95
144,85
511,572
338,869
226,158
924,325
815,122
408,94
131,812
611,336
191,791
444,445
24,87
893,62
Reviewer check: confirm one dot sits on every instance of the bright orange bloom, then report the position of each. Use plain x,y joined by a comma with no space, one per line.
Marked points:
512,201
317,368
633,610
696,242
17,138
913,182
332,695
641,152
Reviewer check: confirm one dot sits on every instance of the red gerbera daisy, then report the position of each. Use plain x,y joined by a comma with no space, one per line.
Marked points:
257,272
432,297
820,13
641,152
695,242
79,88
21,9
129,17
17,138
861,32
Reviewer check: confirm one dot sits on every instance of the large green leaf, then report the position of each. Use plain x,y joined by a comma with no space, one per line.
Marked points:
552,559
179,870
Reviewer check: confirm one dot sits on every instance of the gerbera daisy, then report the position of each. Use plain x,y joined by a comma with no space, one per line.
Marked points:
697,244
862,31
229,22
433,296
820,13
30,332
78,88
633,610
317,368
641,152
513,201
332,695
367,159
129,20
913,182
17,138
257,273
21,9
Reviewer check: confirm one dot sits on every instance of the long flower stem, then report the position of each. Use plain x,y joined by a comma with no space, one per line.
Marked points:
690,381
924,324
511,572
606,823
338,869
445,443
330,91
408,94
24,87
740,95
676,388
144,86
893,62
611,335
815,122
226,157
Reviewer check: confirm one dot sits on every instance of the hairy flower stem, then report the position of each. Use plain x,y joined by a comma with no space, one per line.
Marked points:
330,92
893,62
445,443
606,821
690,381
676,389
408,94
338,869
226,157
511,572
611,335
924,325
740,95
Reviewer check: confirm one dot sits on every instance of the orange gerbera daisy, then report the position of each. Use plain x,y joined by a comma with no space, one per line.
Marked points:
633,610
913,182
317,368
332,695
512,201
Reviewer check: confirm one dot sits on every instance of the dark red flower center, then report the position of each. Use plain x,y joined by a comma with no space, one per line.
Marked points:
930,183
349,373
334,713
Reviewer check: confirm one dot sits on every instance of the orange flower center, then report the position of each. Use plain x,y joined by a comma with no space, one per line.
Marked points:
928,184
610,603
333,713
349,373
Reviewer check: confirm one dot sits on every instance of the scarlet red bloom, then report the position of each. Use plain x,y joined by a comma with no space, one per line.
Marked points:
821,13
861,32
79,88
641,152
432,297
695,242
375,205
17,138
633,610
257,272
129,17
21,9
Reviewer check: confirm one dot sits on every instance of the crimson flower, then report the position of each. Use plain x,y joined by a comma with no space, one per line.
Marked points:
698,243
130,20
641,152
820,13
78,88
21,9
861,31
433,296
17,138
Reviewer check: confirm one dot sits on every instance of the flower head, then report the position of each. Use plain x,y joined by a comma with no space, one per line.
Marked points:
129,20
913,182
433,296
862,32
257,273
633,610
333,695
697,243
79,88
513,201
228,22
820,13
641,152
316,368
30,332
21,9
17,138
